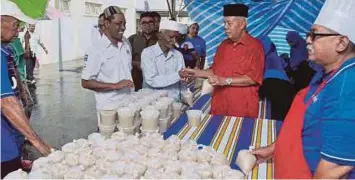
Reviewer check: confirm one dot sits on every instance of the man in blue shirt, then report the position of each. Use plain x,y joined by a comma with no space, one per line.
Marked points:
14,123
328,137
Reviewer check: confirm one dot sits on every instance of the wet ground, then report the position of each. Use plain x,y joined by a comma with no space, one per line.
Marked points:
63,110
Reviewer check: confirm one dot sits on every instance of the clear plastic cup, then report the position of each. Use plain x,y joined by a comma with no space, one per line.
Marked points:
107,117
128,131
177,109
125,117
194,117
164,124
107,131
150,119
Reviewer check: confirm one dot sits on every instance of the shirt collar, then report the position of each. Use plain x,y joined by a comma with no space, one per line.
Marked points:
159,52
107,43
246,39
153,36
320,76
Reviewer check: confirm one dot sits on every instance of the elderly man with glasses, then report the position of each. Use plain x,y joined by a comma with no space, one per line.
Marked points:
143,39
317,138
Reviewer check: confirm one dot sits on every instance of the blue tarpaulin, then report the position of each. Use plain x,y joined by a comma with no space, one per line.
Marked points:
274,19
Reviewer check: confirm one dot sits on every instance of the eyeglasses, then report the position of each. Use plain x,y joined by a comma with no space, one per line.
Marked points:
314,35
147,22
100,26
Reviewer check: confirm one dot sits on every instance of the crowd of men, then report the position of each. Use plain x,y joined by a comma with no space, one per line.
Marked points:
316,138
153,58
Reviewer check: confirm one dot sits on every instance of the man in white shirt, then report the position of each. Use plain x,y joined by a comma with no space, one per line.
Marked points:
162,64
33,61
107,67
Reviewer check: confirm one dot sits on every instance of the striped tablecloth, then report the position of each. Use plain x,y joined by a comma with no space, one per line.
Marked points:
229,135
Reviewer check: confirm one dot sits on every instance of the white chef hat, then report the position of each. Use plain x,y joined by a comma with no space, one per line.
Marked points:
338,16
9,8
169,25
182,28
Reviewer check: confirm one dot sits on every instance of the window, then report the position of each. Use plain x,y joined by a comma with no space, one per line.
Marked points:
65,6
93,8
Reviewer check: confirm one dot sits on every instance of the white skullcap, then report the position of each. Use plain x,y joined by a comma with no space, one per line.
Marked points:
182,28
169,25
9,8
338,16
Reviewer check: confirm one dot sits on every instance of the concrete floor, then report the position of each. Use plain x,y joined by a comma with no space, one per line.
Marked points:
63,110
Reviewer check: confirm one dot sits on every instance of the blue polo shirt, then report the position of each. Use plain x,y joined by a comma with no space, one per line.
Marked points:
199,45
329,125
11,139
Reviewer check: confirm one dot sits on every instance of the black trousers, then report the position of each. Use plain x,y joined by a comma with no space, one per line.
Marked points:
10,166
30,67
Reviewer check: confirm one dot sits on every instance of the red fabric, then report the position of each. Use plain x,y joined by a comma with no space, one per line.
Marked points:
235,60
289,159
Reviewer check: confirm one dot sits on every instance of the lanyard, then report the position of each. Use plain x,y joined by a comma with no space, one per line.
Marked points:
320,87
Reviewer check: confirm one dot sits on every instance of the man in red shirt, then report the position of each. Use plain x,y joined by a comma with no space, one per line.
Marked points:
237,70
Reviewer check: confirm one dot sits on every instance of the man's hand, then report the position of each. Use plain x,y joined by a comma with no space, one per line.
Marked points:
27,35
123,84
45,50
24,98
216,80
263,154
42,147
186,74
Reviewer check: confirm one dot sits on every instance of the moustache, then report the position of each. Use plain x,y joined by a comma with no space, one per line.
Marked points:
310,48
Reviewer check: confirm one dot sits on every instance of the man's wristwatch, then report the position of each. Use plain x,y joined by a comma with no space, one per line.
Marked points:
229,81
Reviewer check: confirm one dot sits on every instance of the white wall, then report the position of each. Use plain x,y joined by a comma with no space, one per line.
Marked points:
76,28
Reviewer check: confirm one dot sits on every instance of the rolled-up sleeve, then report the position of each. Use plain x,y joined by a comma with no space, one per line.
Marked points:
338,125
151,73
92,65
256,70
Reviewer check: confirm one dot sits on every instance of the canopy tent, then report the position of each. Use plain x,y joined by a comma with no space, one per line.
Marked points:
265,18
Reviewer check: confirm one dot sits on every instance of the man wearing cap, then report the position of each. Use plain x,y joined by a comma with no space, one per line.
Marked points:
317,138
107,67
147,37
237,70
14,123
162,65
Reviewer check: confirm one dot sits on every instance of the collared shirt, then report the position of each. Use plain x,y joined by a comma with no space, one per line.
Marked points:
160,71
11,139
329,124
109,64
235,60
139,42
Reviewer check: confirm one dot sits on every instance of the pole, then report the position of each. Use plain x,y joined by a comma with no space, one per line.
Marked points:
60,44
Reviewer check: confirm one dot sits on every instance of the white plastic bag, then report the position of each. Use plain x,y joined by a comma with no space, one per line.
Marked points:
207,88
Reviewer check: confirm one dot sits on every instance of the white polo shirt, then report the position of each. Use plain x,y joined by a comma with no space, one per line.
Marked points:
109,64
162,72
